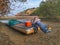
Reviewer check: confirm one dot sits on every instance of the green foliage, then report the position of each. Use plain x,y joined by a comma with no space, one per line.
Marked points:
49,9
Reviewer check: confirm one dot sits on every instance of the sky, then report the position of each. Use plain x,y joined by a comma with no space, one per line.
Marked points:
18,6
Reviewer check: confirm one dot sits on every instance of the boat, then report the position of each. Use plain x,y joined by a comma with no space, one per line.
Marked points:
20,26
26,30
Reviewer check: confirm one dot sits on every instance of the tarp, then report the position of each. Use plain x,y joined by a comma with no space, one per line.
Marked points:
13,22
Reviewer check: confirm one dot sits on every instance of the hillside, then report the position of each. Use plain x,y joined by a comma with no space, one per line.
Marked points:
26,12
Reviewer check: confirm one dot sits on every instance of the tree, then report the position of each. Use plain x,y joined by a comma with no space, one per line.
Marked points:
49,9
5,6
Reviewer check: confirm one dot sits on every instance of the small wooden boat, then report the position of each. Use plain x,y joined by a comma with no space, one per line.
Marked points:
20,26
27,30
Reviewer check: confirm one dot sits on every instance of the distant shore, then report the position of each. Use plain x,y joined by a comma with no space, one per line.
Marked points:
28,18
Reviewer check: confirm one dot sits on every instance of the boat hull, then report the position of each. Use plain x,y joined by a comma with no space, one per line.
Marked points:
24,30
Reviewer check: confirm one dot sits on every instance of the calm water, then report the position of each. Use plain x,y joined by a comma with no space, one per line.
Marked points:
6,21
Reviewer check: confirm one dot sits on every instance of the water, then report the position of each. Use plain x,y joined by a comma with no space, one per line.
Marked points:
6,21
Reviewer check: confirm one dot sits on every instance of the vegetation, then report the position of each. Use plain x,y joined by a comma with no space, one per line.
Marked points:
5,6
49,9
